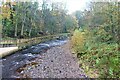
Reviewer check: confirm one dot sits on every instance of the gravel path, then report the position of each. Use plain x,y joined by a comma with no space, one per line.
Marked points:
57,62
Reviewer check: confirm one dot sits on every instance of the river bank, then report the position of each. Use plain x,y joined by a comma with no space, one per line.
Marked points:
51,59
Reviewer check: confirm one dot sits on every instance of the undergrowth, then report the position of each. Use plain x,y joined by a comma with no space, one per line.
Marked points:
98,53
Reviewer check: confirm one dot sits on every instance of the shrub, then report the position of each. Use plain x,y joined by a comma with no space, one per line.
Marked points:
95,53
78,41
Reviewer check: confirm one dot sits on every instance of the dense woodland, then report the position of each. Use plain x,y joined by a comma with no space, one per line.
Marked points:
30,19
96,30
97,41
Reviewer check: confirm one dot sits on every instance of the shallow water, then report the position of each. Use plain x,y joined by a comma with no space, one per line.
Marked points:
11,63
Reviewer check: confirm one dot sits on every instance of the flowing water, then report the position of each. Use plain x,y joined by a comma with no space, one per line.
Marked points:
11,64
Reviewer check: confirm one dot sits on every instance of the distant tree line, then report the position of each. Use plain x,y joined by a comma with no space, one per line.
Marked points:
104,15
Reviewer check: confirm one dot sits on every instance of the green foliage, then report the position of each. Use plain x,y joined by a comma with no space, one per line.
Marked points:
27,19
96,53
105,16
78,41
101,49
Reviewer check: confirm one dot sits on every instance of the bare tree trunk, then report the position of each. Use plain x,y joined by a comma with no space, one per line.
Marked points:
119,24
22,27
15,29
30,29
0,30
1,25
30,32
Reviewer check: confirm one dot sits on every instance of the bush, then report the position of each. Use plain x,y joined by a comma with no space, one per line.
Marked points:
78,41
95,53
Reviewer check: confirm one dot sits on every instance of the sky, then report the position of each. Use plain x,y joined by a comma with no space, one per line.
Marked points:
73,5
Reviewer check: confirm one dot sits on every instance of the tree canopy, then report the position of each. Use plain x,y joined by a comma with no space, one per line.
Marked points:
27,19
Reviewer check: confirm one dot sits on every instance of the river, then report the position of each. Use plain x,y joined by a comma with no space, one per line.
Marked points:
10,64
